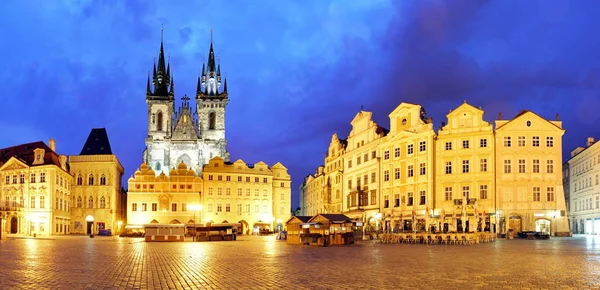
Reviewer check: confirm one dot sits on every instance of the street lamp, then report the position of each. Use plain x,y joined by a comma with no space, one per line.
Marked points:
195,207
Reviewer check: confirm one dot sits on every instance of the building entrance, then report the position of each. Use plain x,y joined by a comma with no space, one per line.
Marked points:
14,225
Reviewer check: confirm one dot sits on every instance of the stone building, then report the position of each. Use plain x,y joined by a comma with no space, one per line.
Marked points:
406,164
98,201
529,189
165,199
465,172
469,176
35,190
584,184
189,135
361,169
334,173
313,188
256,196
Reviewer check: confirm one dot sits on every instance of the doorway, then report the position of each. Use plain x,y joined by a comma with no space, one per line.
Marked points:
89,228
14,225
515,223
542,226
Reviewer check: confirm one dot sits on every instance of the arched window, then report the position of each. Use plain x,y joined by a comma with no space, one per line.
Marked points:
79,201
159,119
102,180
91,180
102,202
79,180
211,121
91,202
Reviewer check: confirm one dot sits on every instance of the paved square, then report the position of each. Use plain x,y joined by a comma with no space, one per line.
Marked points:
265,263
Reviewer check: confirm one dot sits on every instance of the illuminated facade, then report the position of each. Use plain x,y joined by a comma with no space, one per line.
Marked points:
186,135
163,199
35,190
468,177
256,196
98,201
583,175
313,191
406,169
529,187
465,171
361,169
334,174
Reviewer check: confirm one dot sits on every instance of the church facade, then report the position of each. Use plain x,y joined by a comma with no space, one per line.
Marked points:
186,176
189,135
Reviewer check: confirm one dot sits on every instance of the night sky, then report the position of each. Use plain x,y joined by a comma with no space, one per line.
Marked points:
297,71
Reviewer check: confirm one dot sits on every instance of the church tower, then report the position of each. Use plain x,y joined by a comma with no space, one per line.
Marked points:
160,99
211,104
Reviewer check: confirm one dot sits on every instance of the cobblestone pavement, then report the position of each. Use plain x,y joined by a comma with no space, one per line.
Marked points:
264,263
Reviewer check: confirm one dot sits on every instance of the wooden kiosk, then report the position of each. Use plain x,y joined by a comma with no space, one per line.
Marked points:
327,229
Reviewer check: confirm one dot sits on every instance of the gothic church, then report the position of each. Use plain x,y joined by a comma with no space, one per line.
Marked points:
185,135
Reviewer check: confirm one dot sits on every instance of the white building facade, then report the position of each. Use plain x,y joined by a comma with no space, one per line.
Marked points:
584,185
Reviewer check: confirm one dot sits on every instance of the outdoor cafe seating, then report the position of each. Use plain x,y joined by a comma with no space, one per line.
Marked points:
433,238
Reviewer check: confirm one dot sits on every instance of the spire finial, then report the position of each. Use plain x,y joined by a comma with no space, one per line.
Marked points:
162,29
211,31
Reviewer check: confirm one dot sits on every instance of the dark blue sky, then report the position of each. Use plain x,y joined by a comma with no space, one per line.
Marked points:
298,71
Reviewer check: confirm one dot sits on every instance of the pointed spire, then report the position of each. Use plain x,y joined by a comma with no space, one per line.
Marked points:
199,86
172,89
148,89
211,56
219,67
225,85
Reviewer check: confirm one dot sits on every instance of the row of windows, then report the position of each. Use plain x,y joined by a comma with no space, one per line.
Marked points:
21,178
586,204
240,179
365,180
409,200
209,207
466,145
483,166
522,166
409,150
585,165
585,183
483,192
36,202
90,180
535,141
90,202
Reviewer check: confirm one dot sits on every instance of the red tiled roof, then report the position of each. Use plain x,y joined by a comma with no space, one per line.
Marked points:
24,152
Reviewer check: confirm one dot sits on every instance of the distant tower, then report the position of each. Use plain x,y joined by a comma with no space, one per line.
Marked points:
211,102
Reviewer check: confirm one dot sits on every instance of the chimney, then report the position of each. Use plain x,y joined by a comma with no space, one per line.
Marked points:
63,161
590,141
499,116
52,144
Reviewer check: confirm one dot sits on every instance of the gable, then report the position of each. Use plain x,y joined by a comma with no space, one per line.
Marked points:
529,121
13,163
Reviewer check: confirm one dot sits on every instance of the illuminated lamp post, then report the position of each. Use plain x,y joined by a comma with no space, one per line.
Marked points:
195,207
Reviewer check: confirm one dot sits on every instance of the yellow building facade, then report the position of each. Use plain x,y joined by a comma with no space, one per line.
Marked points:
470,176
406,170
173,199
360,180
465,180
35,190
529,186
334,175
98,202
256,196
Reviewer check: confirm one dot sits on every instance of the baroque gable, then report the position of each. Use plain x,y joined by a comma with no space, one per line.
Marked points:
12,164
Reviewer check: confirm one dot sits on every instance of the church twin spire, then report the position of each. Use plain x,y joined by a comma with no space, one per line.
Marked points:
162,80
163,84
210,79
